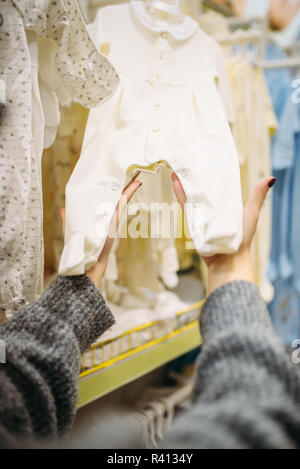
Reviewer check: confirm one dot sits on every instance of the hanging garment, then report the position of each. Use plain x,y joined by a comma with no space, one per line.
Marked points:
160,262
284,262
164,255
285,308
168,108
295,215
254,125
75,71
283,150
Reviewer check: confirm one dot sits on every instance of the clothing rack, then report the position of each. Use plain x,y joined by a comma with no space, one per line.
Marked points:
225,11
289,62
239,37
244,32
240,23
252,37
203,4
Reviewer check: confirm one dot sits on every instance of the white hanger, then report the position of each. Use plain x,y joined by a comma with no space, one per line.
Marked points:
169,7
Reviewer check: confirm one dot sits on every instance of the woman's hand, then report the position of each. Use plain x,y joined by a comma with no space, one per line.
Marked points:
282,13
96,272
228,268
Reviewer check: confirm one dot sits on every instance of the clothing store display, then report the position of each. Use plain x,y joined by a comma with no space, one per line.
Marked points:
164,260
254,126
156,407
161,311
175,89
285,273
58,163
284,258
75,71
157,264
296,214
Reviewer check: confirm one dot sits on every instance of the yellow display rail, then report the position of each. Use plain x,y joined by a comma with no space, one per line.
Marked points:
133,364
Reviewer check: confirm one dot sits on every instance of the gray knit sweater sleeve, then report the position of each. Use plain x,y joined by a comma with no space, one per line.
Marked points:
44,342
247,392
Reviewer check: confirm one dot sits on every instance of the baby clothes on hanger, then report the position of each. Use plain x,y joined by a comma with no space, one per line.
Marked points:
168,108
296,212
78,72
163,248
285,268
58,163
279,82
254,125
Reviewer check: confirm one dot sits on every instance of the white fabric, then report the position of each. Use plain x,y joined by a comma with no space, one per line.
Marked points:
167,108
78,72
181,31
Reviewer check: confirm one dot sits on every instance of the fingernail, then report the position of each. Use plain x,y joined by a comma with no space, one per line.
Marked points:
272,182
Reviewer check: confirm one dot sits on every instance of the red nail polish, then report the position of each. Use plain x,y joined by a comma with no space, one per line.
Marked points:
272,182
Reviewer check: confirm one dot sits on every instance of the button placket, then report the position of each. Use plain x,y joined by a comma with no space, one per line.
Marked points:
156,119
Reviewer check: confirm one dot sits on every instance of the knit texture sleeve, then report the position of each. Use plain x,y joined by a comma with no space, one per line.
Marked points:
247,392
44,342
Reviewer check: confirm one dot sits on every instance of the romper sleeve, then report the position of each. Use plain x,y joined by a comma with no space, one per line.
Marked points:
79,72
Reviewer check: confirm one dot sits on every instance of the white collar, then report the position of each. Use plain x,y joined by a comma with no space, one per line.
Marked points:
181,31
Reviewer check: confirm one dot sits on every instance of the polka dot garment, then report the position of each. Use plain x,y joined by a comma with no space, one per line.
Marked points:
78,73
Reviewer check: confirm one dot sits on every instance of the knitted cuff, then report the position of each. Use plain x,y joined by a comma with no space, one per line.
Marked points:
231,306
77,301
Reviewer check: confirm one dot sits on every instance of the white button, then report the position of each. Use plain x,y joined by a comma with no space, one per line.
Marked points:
164,35
162,56
160,77
101,230
196,204
184,173
155,129
101,212
157,104
115,186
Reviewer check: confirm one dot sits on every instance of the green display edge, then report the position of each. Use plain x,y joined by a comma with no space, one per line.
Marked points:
106,380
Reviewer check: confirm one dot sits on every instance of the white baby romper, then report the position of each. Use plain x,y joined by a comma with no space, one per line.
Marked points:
167,108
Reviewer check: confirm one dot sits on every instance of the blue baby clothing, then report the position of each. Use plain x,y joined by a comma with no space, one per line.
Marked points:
284,267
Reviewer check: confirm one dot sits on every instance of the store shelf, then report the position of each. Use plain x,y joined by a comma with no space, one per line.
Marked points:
137,362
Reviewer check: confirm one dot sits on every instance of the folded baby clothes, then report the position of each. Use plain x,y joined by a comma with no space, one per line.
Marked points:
170,106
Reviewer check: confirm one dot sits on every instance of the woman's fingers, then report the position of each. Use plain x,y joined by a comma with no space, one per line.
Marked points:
253,207
127,195
62,214
179,191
